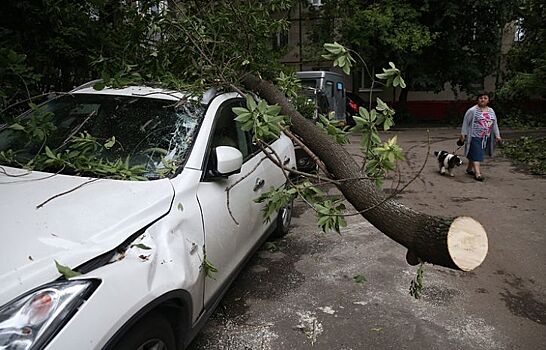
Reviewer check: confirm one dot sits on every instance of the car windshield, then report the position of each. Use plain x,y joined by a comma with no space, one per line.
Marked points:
99,135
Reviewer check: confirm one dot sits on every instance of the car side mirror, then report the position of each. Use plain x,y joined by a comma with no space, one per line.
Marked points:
227,161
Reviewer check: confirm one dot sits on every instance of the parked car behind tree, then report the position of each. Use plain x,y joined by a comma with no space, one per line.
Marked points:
353,103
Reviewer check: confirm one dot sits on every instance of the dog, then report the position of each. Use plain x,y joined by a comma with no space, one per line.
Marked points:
447,161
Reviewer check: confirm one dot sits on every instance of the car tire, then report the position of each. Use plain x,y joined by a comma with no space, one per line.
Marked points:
152,332
304,163
283,220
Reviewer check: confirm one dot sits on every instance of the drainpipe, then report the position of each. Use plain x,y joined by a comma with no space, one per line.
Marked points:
301,36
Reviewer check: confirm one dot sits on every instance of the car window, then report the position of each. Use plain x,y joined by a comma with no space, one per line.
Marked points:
228,132
330,88
103,131
309,83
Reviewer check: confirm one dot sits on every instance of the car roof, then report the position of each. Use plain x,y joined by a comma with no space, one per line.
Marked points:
135,91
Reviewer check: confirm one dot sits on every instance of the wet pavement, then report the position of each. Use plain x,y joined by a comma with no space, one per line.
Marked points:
312,290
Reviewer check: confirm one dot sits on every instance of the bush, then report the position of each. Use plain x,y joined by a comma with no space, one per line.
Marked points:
530,152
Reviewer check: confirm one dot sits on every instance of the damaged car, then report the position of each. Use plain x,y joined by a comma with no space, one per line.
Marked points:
126,214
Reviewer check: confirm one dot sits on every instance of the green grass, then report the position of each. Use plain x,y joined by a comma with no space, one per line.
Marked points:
529,152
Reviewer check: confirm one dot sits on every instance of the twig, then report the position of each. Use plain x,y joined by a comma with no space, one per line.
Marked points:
307,150
76,129
2,170
65,192
32,98
392,195
235,184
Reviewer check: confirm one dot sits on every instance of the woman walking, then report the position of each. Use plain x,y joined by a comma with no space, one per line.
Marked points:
479,132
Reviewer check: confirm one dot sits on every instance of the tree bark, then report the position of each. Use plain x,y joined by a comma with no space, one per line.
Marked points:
458,243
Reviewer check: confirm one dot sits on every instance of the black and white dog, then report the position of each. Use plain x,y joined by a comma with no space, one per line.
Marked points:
447,161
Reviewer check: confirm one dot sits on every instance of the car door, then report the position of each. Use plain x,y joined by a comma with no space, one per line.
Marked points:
232,219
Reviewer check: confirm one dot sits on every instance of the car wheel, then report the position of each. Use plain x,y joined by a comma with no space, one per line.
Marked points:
283,220
153,332
304,162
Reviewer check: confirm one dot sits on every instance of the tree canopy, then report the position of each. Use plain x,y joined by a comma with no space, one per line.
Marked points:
527,58
433,42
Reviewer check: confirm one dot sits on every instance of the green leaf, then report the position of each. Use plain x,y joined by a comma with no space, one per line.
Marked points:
17,127
66,271
346,69
209,268
99,86
359,279
244,117
274,110
49,153
239,110
250,103
388,123
110,142
270,246
141,246
334,48
381,106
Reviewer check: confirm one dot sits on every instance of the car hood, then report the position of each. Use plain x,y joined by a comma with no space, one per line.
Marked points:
46,217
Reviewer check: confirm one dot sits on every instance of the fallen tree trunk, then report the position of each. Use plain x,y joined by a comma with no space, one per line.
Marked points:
458,243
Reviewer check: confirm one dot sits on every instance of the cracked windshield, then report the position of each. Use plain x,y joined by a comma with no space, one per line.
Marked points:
118,137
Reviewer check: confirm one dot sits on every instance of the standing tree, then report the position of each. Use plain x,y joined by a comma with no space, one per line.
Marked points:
527,58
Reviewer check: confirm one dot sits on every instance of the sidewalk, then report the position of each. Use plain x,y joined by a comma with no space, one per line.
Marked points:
304,295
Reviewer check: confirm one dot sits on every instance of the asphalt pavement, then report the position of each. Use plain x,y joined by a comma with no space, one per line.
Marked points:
312,290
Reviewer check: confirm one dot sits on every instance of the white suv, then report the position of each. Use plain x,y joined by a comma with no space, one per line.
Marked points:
142,248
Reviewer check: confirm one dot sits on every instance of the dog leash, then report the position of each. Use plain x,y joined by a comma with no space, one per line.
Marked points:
456,150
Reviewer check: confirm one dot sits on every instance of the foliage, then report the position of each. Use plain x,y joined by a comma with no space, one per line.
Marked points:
340,55
434,42
264,121
208,267
527,57
329,211
359,279
66,271
289,84
17,79
529,152
275,199
416,285
331,127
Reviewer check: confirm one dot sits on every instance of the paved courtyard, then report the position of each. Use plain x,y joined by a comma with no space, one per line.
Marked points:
301,293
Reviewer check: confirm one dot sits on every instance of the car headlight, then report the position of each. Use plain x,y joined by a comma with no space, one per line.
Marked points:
30,321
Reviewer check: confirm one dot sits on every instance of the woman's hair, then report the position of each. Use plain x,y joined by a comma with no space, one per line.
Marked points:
482,94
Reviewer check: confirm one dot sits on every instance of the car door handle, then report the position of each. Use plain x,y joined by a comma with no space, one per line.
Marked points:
259,184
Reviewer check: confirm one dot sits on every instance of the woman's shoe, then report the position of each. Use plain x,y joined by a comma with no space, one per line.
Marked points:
479,178
470,172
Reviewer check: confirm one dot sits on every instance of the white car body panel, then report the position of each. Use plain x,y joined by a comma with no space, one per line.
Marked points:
173,262
71,228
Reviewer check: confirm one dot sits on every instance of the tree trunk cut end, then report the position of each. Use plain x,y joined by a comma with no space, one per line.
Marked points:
467,243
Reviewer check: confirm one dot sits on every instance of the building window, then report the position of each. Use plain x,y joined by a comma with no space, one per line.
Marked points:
364,81
280,40
519,32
